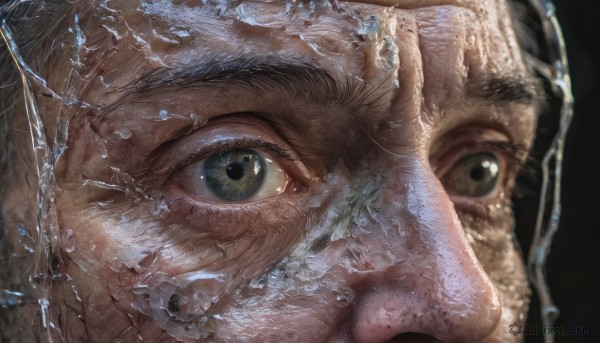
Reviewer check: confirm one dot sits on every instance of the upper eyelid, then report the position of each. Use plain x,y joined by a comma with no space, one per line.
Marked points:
515,152
235,130
512,152
249,143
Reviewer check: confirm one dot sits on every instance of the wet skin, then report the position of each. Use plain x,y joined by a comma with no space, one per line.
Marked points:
365,234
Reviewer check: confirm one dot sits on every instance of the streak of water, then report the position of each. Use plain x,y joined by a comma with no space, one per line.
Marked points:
558,75
46,220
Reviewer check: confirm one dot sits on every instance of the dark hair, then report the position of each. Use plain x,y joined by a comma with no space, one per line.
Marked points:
28,20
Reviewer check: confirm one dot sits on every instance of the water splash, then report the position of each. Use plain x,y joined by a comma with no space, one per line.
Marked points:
26,240
178,304
46,224
379,31
557,73
10,299
79,41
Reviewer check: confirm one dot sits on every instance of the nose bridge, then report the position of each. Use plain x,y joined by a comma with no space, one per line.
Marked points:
434,284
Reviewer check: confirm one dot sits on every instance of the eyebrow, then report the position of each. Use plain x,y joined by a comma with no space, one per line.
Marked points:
288,76
273,74
499,90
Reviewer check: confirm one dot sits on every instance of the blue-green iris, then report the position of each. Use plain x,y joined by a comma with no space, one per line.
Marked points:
234,175
475,175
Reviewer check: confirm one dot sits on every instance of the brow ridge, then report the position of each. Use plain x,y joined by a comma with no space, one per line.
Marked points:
275,75
499,90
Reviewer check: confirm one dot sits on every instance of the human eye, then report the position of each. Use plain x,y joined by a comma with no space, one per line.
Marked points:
479,167
234,167
476,175
234,175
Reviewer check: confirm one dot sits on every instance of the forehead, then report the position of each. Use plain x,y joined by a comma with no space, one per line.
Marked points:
367,39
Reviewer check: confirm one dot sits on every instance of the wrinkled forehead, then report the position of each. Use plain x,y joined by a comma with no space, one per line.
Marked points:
309,30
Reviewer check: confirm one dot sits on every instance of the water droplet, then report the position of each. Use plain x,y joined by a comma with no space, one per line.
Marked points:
243,16
124,132
258,283
27,240
10,299
76,292
163,115
68,241
181,33
370,26
57,270
344,296
23,231
160,208
320,6
199,121
291,5
105,204
103,152
39,277
60,143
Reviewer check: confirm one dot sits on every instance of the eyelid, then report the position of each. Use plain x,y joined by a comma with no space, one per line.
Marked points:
195,184
224,135
248,143
506,151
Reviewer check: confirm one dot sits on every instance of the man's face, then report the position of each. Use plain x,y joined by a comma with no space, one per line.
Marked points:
270,171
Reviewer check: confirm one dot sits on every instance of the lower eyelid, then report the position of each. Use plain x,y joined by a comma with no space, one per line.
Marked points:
486,209
230,219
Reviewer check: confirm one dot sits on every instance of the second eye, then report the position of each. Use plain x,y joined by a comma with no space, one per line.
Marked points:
475,175
235,175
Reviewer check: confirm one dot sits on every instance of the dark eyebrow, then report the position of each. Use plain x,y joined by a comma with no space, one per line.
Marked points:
273,74
498,90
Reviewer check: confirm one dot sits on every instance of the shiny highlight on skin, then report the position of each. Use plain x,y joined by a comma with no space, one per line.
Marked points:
366,245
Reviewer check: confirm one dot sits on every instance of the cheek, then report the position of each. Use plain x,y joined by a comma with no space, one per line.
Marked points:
510,277
170,270
497,250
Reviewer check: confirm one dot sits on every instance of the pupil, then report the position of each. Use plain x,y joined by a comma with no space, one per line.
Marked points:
477,173
235,171
235,175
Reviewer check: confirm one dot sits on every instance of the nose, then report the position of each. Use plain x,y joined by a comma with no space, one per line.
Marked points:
435,286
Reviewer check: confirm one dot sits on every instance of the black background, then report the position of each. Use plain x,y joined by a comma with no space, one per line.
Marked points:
574,262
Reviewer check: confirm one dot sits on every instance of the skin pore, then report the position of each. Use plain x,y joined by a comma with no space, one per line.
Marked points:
369,118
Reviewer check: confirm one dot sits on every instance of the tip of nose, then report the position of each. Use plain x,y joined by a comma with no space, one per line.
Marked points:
391,316
472,317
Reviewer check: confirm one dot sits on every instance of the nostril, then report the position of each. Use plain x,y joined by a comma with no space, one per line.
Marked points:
403,336
413,337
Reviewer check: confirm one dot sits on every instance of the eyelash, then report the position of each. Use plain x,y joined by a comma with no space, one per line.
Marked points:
511,151
248,143
513,154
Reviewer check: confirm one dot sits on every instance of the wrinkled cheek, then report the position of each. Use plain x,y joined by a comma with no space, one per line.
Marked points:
510,279
496,248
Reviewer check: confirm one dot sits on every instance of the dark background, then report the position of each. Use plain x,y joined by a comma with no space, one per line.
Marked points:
575,258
